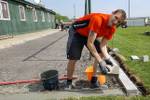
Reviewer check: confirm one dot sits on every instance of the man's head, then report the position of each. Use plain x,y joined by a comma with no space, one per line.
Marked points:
117,18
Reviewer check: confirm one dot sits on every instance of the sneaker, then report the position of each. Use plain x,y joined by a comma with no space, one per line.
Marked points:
68,86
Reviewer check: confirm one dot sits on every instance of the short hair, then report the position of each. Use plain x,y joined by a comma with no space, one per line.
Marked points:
124,16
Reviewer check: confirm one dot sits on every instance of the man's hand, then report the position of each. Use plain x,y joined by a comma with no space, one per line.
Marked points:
103,68
108,61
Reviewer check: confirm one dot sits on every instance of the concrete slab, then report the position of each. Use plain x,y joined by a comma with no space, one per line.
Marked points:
129,86
145,58
134,57
114,69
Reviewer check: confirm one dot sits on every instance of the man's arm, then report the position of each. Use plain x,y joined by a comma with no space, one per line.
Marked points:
91,46
103,46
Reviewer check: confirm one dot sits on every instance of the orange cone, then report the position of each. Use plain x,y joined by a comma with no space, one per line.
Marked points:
89,72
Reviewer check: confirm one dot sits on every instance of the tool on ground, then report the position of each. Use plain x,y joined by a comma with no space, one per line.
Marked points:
61,77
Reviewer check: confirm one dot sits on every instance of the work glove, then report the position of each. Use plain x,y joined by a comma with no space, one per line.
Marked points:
109,62
103,67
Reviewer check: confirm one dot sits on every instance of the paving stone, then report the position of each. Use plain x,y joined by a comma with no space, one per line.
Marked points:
115,67
134,57
145,58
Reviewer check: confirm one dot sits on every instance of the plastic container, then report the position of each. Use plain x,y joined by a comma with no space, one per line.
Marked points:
50,79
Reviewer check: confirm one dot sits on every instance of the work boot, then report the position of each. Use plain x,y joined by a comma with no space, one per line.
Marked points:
94,82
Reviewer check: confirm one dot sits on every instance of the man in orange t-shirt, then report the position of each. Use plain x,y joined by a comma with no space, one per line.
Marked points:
87,31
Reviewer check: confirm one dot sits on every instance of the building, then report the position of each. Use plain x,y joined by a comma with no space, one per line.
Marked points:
138,21
20,16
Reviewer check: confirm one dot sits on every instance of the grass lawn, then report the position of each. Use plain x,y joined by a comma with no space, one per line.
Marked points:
132,41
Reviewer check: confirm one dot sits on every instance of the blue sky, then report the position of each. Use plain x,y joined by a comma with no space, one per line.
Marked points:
139,8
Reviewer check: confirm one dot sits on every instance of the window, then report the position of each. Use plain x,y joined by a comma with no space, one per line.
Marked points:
22,13
34,15
4,10
43,17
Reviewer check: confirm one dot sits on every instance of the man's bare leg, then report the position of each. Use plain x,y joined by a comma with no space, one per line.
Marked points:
71,68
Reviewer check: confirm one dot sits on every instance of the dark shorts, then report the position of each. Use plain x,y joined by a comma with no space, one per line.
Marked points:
76,43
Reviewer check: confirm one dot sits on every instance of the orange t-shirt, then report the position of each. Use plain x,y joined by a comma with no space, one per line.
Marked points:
95,22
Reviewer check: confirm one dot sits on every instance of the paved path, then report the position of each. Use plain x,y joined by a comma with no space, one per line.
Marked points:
19,39
28,59
58,95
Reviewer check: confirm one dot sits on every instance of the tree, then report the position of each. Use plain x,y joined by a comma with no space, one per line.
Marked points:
60,17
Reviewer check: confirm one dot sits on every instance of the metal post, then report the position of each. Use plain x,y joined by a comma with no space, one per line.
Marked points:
74,6
88,11
128,8
89,6
85,12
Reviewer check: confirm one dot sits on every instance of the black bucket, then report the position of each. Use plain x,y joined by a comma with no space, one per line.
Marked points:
50,79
